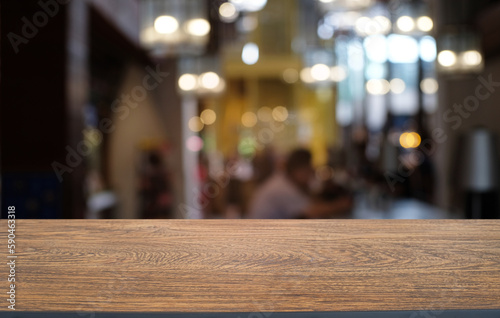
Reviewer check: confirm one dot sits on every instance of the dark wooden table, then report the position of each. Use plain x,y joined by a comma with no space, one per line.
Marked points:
254,265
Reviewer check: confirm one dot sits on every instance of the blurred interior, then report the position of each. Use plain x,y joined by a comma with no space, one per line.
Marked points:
183,108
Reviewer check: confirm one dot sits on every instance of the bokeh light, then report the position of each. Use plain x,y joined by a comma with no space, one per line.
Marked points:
188,82
472,58
429,86
249,119
208,116
290,75
195,124
425,24
320,72
405,23
381,24
447,58
198,27
280,113
409,140
398,86
305,75
250,53
325,31
428,49
249,5
228,12
378,86
194,143
209,80
166,24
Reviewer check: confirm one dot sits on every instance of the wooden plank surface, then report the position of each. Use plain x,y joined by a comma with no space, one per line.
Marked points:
255,265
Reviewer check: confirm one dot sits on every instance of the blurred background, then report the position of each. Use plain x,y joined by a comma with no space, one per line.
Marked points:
188,108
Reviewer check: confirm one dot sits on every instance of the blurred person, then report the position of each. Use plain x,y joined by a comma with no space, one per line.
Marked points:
287,195
263,165
332,190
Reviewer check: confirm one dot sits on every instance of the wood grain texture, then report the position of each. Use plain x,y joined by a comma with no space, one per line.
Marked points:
255,265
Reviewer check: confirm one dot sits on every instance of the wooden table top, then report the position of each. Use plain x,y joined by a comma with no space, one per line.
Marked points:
254,265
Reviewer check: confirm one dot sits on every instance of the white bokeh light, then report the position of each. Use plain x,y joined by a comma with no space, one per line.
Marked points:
382,24
209,80
425,24
362,25
325,31
228,12
249,5
398,86
166,24
472,58
305,75
188,82
402,49
320,72
447,58
376,48
250,53
372,26
428,49
405,23
378,86
198,27
429,86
